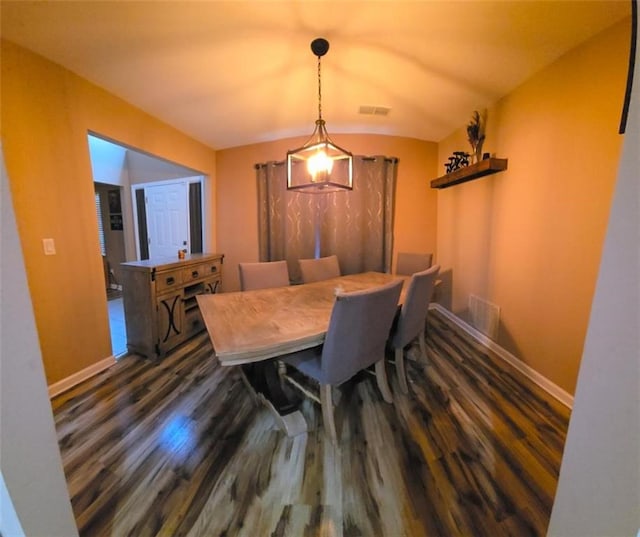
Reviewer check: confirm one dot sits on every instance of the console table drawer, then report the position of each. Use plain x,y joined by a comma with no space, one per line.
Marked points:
213,268
198,272
194,272
168,280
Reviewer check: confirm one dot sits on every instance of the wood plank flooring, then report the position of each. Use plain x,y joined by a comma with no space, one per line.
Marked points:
177,448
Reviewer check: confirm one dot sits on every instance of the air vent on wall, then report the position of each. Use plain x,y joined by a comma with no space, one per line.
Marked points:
485,316
369,110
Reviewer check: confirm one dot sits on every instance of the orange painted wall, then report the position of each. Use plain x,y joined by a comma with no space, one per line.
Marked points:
237,213
530,239
47,112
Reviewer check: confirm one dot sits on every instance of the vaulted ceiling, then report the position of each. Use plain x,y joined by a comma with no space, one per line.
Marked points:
232,73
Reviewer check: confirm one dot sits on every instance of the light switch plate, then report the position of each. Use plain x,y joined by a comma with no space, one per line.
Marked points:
49,246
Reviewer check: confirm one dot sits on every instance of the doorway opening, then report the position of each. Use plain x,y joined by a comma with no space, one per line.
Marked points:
168,217
110,233
122,175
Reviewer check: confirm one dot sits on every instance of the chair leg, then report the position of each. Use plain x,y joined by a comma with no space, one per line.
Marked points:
402,374
423,347
383,385
326,402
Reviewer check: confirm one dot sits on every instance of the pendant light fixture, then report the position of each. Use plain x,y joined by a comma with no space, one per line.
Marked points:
319,166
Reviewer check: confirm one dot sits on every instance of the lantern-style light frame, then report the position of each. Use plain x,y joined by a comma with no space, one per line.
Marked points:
319,166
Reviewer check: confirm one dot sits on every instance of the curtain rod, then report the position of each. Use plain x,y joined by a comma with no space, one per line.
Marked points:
259,165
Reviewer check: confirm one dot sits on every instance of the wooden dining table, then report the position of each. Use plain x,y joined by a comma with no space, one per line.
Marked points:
250,328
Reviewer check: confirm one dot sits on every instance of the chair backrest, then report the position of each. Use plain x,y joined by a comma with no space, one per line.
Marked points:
409,263
263,275
415,307
323,268
358,330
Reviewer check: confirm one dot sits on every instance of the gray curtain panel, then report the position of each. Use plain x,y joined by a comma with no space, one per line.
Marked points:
355,225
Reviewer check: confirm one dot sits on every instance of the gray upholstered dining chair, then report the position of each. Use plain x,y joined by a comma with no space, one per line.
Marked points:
263,275
409,263
322,268
410,322
358,330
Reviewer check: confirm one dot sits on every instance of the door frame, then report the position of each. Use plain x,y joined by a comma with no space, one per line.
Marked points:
186,181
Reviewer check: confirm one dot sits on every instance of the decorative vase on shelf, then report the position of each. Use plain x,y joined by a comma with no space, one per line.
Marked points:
476,135
477,152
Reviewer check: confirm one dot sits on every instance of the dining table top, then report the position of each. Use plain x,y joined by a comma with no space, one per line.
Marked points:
250,326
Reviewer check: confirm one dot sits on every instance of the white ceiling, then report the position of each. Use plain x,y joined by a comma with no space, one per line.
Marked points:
231,73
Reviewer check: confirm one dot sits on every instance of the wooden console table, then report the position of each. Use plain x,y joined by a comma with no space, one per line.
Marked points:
160,306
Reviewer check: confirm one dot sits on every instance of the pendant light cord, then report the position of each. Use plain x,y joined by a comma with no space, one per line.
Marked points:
319,91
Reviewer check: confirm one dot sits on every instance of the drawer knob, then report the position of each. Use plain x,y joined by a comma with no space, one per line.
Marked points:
171,280
194,274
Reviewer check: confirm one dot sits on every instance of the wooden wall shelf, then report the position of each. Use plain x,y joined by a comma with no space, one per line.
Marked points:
468,173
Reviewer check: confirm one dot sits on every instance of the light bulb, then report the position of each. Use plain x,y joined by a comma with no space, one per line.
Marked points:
319,165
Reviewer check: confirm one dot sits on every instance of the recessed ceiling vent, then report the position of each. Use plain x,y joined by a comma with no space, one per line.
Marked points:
369,110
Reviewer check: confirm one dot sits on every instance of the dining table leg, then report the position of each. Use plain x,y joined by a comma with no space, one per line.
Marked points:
264,379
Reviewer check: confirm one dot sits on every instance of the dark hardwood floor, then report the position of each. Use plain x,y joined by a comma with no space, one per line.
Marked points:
177,448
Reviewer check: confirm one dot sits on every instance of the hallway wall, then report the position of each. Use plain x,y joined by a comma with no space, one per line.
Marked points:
47,113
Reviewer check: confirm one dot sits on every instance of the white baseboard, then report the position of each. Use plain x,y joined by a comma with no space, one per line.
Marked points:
69,382
551,388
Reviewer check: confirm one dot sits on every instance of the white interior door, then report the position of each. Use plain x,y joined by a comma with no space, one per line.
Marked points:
167,208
